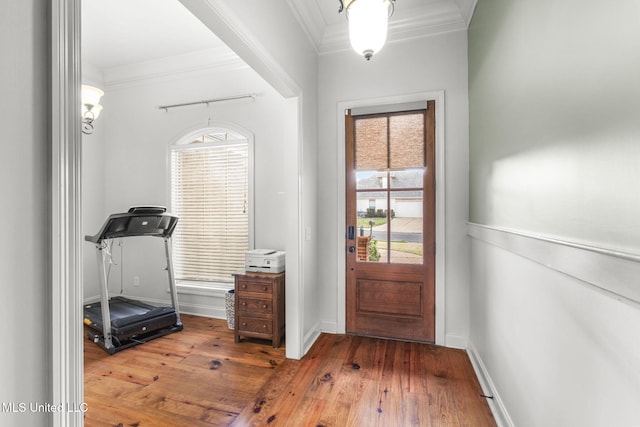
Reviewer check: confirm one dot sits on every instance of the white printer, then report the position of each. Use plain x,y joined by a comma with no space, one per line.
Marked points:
264,261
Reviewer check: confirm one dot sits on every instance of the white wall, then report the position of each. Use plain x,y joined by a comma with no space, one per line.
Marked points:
436,63
267,36
134,162
93,212
548,339
24,187
554,97
93,189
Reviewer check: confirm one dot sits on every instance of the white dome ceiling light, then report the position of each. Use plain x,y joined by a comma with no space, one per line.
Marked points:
368,21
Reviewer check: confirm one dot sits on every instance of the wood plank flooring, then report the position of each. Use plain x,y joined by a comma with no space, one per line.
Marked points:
200,377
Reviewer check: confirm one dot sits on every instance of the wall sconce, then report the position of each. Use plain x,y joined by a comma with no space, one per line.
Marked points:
368,21
90,107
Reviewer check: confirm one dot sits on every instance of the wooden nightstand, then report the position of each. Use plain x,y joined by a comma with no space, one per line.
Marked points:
259,306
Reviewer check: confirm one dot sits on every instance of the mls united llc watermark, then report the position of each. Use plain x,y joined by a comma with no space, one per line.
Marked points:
33,407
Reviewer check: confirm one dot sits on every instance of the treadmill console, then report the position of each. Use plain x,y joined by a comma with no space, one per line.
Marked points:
138,221
147,209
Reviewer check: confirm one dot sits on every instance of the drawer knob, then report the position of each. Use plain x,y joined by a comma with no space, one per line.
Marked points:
244,286
264,305
264,326
243,303
264,288
244,323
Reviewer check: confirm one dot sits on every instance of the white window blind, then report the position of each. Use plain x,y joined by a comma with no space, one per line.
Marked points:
209,193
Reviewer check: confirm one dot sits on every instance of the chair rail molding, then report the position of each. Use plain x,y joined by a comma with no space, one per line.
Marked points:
612,271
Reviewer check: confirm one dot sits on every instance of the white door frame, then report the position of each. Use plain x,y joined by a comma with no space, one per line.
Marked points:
66,253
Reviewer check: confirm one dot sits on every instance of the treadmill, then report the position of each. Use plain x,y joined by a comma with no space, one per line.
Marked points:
119,323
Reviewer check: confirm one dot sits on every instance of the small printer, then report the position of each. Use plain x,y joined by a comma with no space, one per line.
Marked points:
264,261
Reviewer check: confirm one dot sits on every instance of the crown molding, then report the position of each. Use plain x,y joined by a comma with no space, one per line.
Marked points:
310,19
441,17
467,7
173,67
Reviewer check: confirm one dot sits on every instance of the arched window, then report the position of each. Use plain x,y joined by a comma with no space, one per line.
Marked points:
211,175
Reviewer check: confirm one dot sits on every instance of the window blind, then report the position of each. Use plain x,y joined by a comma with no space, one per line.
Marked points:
209,193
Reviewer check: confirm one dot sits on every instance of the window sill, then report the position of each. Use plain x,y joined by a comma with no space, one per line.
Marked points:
203,288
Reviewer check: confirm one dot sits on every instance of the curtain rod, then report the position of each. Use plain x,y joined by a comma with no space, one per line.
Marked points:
208,101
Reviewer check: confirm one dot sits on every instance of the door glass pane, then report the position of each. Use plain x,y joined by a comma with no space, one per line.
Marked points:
408,178
371,228
406,227
371,143
371,180
390,162
406,141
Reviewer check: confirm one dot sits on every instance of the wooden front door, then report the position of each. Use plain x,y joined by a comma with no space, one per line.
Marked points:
390,242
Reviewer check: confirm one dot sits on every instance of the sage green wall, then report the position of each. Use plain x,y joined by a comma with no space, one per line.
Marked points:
554,90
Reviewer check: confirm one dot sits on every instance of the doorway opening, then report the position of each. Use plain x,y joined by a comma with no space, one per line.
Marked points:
66,201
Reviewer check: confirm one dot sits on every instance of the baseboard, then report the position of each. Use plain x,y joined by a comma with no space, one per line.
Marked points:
496,405
214,291
91,300
456,341
329,327
310,338
203,310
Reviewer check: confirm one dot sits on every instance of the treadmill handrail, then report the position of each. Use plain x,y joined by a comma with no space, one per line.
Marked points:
138,221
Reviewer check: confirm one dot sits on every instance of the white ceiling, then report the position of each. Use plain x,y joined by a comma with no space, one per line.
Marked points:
123,32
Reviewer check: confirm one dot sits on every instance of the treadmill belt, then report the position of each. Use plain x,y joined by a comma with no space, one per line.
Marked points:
130,318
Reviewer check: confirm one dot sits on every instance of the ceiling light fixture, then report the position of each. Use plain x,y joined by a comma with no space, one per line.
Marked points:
90,107
368,21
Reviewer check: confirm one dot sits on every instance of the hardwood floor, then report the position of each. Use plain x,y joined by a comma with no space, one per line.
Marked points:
200,377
